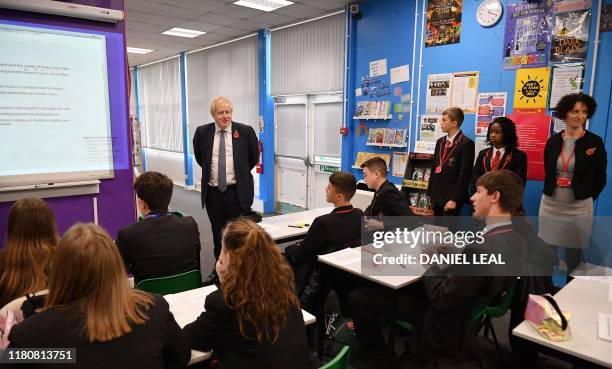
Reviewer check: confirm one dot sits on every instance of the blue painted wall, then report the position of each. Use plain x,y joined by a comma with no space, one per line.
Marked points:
386,31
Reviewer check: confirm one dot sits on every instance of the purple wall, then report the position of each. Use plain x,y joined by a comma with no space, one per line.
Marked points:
116,207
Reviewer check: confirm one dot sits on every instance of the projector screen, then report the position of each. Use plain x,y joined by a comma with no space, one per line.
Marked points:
54,107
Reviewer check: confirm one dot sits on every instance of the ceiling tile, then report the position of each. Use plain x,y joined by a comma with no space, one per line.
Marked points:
327,4
299,11
238,11
273,19
218,19
153,19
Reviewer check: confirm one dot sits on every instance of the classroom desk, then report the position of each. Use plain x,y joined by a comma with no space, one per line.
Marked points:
349,260
584,298
187,306
279,226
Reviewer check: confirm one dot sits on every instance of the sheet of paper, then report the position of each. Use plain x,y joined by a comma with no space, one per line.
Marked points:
400,74
605,327
464,91
378,68
438,96
268,227
358,92
344,257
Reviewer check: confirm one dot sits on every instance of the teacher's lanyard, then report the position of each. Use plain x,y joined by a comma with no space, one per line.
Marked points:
444,158
153,216
564,162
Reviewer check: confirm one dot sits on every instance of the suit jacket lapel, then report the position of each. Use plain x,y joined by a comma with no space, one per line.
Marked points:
235,146
210,139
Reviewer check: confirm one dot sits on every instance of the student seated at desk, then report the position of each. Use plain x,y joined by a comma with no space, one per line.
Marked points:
328,233
25,262
254,320
91,308
440,305
163,244
387,200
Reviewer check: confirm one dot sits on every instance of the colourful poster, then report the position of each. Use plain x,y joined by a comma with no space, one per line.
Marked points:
570,36
531,88
532,131
527,37
438,96
443,22
562,6
490,106
605,24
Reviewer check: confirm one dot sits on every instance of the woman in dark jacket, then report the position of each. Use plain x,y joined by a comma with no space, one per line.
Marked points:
575,162
503,153
254,320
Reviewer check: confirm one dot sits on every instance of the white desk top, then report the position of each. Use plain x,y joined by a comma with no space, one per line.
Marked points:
349,260
187,306
279,226
584,299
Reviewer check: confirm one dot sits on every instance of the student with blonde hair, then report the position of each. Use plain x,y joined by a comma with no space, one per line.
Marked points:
90,307
254,320
31,240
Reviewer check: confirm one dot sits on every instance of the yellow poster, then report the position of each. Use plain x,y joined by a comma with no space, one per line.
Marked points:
531,88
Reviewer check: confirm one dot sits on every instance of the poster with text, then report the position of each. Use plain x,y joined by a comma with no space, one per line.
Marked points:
570,36
566,79
531,88
532,131
431,128
557,123
464,91
443,22
398,164
438,96
527,35
605,23
490,106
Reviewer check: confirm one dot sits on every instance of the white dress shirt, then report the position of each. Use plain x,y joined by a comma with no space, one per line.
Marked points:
230,176
502,151
452,138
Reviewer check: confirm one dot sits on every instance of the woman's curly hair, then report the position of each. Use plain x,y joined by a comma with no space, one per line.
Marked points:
567,103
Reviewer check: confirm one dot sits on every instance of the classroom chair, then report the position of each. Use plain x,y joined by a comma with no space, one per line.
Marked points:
493,311
341,361
172,284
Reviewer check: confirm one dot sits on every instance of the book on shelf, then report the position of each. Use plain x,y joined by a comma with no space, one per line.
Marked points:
427,174
380,136
414,199
424,201
399,137
418,174
389,136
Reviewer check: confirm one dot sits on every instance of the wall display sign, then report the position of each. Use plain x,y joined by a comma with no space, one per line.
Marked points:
431,128
480,143
438,96
443,22
527,35
557,123
566,79
378,68
490,106
531,88
532,131
464,91
570,36
606,18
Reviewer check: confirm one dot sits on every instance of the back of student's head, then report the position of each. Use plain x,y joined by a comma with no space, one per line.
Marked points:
344,183
89,277
508,184
455,115
31,241
258,283
376,164
155,189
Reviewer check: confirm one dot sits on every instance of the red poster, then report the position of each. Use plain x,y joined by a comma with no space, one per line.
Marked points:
532,131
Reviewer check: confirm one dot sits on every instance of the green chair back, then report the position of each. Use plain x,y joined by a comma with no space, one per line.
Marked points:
341,361
495,311
172,284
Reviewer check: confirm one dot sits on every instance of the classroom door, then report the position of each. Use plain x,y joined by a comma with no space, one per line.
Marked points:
308,146
291,150
325,145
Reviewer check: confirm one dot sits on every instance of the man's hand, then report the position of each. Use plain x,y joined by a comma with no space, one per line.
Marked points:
450,205
373,225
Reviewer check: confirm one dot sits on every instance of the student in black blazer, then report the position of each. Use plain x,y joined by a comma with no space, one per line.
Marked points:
162,244
575,162
254,325
439,305
387,200
227,182
91,308
451,170
328,233
503,153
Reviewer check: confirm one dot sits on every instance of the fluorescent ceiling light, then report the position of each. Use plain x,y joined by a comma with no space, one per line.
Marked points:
265,5
135,50
183,32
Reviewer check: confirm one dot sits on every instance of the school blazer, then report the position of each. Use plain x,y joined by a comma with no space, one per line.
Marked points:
589,170
514,160
452,183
